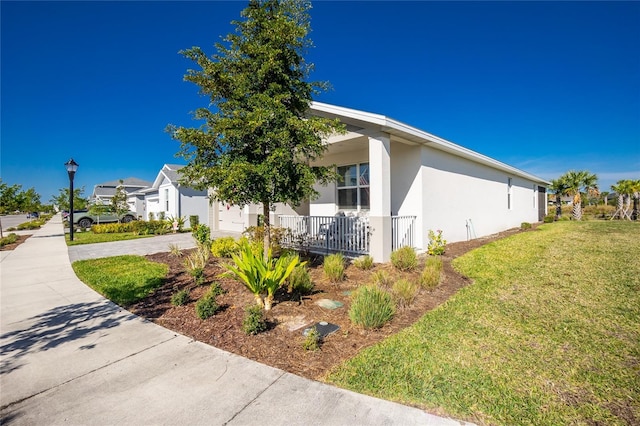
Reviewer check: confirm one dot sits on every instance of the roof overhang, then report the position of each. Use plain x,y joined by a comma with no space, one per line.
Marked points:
381,123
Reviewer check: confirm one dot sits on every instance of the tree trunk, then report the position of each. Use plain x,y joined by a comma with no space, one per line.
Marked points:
577,207
266,222
558,206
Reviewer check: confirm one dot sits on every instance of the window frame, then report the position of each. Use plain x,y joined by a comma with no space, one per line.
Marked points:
341,186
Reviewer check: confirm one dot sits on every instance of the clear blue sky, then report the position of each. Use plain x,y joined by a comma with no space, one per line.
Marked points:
543,86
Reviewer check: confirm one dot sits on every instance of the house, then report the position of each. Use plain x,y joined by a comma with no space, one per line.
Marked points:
169,198
398,183
103,192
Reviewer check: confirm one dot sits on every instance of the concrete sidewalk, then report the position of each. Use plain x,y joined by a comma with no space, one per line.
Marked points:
70,356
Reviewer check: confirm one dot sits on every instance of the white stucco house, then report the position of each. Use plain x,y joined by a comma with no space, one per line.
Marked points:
103,192
166,196
398,183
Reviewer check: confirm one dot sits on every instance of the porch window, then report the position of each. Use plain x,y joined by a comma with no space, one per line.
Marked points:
353,187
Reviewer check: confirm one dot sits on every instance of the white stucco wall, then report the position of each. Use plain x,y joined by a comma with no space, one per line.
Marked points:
456,190
192,202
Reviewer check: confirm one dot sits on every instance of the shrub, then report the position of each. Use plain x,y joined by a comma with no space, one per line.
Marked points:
151,216
30,225
216,289
312,340
404,292
363,262
180,298
174,250
256,234
206,306
253,321
525,225
300,281
333,267
549,219
404,259
202,235
194,221
224,247
371,307
381,279
9,239
436,244
430,276
195,263
176,223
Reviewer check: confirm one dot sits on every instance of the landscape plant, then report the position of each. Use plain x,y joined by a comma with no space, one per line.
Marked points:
299,281
381,278
207,306
195,263
261,275
437,243
333,267
312,340
371,307
430,276
202,235
257,143
404,258
404,292
254,321
363,262
8,239
180,297
224,247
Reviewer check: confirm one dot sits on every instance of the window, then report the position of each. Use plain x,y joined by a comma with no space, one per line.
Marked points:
534,195
509,184
353,186
166,199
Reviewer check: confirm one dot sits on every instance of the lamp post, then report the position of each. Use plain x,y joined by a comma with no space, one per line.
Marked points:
71,166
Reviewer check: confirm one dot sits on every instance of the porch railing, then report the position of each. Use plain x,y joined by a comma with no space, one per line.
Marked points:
402,231
327,234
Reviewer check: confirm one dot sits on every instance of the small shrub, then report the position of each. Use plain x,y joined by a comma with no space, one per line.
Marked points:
525,225
371,307
162,216
300,280
216,289
224,247
430,276
253,321
194,221
9,239
206,306
333,267
202,235
151,216
255,234
363,262
312,340
180,298
549,219
174,250
436,244
404,291
176,223
404,259
30,225
381,279
195,264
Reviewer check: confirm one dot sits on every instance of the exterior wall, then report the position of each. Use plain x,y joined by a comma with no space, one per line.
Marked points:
406,185
468,200
192,202
152,206
326,204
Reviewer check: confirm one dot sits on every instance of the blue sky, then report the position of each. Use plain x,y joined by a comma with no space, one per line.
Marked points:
542,86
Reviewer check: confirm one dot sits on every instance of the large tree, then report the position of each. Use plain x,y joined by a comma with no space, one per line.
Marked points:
257,145
62,199
577,182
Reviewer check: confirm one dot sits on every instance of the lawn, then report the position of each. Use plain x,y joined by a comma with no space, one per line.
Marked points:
122,279
549,333
89,237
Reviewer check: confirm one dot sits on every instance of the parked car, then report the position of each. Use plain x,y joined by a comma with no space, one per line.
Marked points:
83,219
33,215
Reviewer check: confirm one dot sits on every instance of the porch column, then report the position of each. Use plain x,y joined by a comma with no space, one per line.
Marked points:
380,197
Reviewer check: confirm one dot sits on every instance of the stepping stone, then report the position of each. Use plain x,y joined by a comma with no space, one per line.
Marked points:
329,304
323,328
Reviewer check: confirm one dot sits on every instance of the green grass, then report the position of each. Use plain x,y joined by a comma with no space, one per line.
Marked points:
122,279
90,238
548,334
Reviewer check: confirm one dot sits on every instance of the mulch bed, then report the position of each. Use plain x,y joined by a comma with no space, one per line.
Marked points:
21,239
281,346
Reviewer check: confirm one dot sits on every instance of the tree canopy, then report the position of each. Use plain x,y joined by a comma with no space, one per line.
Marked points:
257,144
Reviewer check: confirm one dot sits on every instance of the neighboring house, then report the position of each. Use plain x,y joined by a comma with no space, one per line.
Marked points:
398,183
103,192
167,196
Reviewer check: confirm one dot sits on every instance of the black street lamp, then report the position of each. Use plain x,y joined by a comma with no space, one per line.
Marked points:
71,166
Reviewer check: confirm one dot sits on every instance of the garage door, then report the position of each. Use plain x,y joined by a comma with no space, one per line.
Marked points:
230,218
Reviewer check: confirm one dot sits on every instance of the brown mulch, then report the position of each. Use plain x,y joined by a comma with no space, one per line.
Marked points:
21,239
281,346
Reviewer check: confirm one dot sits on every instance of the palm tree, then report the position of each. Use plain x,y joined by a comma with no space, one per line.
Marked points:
624,189
558,187
635,191
577,182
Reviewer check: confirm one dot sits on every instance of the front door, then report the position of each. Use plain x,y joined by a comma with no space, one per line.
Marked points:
542,203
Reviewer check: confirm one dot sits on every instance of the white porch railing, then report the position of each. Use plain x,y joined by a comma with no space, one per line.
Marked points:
327,234
344,234
402,231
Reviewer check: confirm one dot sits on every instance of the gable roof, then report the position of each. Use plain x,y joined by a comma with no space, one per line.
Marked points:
170,172
382,123
108,189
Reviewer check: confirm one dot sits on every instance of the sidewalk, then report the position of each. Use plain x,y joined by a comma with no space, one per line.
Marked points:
70,356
